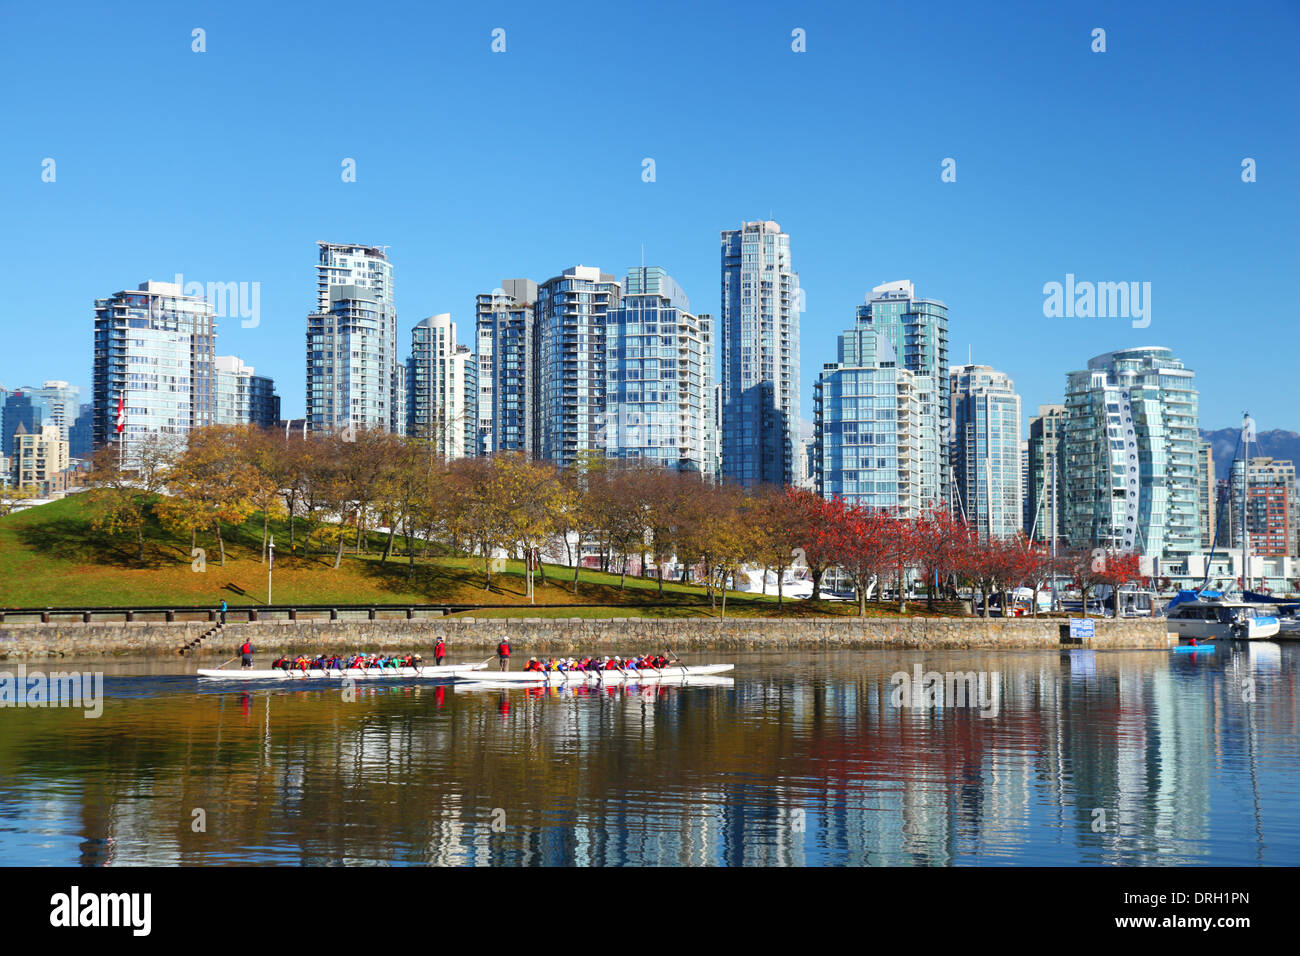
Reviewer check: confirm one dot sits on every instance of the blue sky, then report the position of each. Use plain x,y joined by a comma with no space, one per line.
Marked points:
473,166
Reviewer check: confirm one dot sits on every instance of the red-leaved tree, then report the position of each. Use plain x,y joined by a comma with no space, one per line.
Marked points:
859,539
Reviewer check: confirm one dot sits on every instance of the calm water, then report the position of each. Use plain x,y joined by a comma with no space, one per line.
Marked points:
1090,758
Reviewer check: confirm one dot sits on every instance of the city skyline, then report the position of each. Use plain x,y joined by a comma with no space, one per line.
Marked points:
1022,212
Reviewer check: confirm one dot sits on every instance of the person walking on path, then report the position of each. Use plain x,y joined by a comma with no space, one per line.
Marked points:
223,611
503,654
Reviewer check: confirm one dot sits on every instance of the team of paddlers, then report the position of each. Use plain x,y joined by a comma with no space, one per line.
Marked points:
644,662
367,662
362,662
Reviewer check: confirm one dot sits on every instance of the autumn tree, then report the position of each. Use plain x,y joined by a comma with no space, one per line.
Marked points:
117,506
260,450
11,497
860,539
778,532
938,542
531,495
664,490
577,521
473,509
1090,568
620,506
812,518
211,484
731,529
1039,568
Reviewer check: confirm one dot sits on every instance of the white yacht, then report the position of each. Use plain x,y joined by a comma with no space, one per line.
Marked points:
1210,616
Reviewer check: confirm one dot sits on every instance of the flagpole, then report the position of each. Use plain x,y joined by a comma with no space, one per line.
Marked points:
1247,426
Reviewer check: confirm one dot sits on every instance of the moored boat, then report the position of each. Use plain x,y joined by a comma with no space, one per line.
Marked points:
1211,616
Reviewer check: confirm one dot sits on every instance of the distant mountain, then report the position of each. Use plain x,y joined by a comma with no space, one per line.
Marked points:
1273,444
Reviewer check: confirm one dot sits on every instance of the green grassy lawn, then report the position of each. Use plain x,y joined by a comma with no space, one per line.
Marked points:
51,556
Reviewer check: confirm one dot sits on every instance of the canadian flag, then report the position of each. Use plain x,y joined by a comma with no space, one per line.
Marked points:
121,414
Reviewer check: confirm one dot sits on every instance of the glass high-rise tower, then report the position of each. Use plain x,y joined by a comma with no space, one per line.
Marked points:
507,353
1043,518
867,437
917,330
441,402
985,451
570,362
658,375
1131,449
243,397
761,302
62,403
155,348
354,374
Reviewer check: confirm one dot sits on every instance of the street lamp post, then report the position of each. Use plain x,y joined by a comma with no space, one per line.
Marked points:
270,563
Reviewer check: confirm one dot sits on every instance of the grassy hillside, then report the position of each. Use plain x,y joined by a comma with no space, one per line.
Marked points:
50,555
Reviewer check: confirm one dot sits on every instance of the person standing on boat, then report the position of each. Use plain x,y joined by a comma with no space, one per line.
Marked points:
503,654
246,655
439,652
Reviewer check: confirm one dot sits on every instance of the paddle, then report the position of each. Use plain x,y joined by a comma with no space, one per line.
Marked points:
679,662
235,658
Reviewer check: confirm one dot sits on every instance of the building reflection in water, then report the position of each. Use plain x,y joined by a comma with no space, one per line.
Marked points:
1091,758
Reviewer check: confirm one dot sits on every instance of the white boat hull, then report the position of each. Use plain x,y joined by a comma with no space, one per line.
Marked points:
560,678
631,686
426,672
1260,629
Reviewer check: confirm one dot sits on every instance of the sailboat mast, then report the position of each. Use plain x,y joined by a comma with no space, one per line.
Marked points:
1246,427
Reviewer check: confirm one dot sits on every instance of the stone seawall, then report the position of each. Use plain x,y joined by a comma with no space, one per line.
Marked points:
566,635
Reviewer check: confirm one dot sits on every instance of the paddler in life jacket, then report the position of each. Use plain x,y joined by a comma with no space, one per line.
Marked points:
503,654
533,664
439,652
245,654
